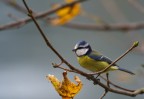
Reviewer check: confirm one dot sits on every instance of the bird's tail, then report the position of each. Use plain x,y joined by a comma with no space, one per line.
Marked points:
125,70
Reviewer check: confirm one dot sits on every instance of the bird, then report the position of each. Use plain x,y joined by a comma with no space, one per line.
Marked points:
93,60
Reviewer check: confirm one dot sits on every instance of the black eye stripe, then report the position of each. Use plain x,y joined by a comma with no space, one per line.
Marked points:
80,47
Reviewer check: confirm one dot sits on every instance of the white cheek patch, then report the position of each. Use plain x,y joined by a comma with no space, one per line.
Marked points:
81,52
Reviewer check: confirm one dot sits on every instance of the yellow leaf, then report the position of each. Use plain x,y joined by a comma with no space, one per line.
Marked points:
56,83
66,14
66,88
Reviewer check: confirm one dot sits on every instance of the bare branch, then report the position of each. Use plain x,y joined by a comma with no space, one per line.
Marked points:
37,15
139,91
108,82
107,27
100,27
104,94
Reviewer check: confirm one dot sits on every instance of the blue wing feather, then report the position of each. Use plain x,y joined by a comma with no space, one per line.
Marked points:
99,57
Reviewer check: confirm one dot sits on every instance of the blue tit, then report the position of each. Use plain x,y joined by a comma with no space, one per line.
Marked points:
93,60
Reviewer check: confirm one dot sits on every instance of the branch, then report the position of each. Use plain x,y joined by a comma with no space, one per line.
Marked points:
104,94
92,27
70,66
139,91
107,27
37,15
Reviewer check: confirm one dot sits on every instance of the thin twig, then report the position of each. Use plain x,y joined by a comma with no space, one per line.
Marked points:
66,69
104,94
106,27
107,76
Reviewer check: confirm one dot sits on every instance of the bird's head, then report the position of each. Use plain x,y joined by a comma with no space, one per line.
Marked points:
82,48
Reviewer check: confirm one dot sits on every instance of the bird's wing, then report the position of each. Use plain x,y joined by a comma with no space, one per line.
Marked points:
98,57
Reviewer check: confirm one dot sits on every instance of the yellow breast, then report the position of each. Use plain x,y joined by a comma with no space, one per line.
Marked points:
93,65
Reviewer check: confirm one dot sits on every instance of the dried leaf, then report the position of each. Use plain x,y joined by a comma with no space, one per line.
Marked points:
66,14
66,88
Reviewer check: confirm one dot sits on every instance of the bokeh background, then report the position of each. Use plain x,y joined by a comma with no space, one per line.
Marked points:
25,60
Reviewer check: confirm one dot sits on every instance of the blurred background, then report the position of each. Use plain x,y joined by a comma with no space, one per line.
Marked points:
25,60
